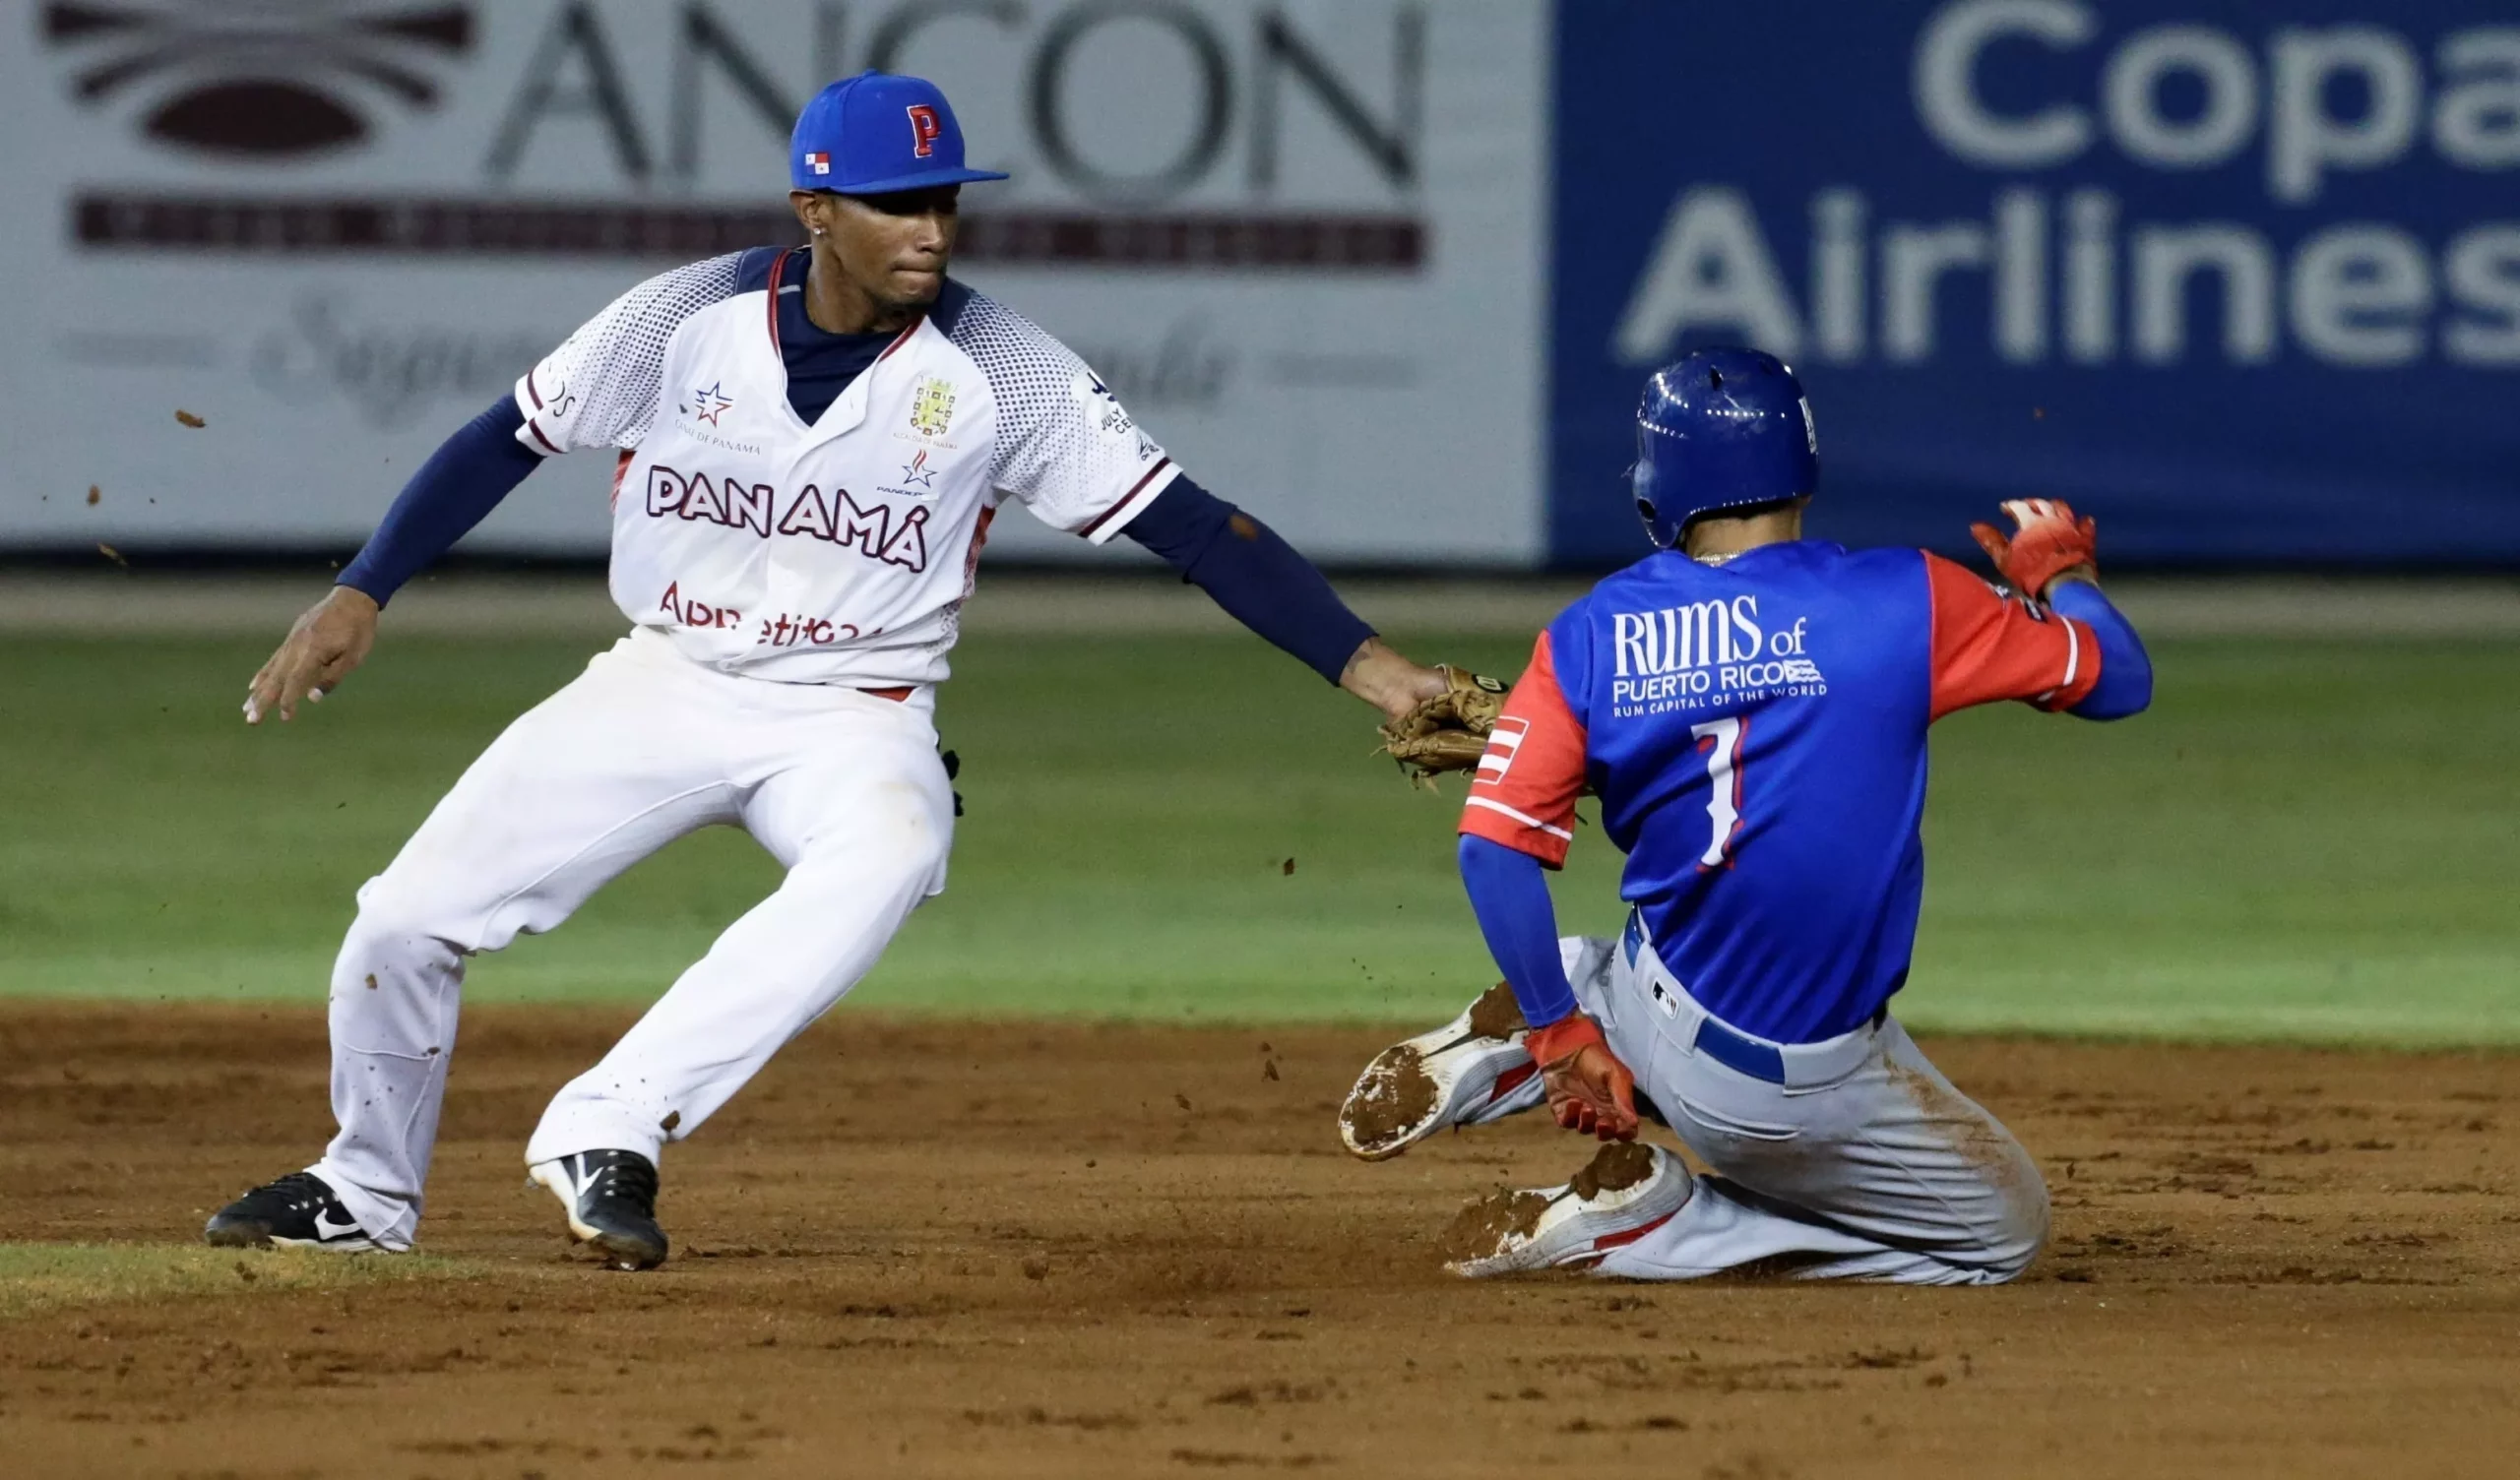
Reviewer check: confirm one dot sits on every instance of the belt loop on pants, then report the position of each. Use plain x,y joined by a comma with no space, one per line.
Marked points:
1795,1066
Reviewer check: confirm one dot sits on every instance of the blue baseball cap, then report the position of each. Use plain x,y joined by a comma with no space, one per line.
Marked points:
876,132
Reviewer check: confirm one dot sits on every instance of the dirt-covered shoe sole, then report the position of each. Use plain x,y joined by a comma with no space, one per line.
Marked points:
1444,1078
1626,1192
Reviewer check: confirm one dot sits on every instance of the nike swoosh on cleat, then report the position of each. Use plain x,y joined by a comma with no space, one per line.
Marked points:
326,1231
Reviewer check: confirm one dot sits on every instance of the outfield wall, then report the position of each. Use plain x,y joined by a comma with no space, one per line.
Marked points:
2246,285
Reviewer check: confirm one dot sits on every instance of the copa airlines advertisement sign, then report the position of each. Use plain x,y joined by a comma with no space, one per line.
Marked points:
1298,238
2242,279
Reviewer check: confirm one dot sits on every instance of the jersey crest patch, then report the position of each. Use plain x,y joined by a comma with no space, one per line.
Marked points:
931,407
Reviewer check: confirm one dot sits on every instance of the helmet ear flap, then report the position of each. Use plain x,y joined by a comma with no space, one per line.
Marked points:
1663,538
1664,534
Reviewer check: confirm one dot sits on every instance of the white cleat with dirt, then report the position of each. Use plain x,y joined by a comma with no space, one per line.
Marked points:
1469,1071
1629,1189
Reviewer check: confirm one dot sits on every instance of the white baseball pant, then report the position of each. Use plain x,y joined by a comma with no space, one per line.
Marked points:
1864,1163
844,788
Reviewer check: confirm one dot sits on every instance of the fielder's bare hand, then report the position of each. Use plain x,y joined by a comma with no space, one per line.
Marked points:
1590,1090
330,639
1381,676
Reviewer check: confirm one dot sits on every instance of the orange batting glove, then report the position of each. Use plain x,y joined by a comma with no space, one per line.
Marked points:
1589,1089
2047,542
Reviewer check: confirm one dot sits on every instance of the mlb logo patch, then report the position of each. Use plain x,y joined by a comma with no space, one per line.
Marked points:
818,163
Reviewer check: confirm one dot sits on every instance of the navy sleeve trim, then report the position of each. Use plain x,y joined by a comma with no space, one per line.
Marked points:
454,490
1255,576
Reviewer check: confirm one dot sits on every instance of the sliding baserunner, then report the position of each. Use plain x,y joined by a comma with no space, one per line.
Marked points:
1751,708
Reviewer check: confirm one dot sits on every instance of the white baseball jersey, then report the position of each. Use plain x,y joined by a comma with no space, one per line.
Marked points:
841,551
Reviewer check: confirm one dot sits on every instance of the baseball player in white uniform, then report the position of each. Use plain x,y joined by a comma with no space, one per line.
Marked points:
812,443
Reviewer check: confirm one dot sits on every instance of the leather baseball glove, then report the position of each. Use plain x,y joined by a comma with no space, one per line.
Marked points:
1448,732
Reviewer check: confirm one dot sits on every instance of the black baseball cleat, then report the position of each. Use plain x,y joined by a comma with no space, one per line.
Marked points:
612,1198
298,1212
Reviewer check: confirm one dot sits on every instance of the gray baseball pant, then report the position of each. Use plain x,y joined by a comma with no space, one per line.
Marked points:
1851,1159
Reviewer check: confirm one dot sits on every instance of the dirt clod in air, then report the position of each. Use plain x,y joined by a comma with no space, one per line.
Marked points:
1036,1267
1288,870
187,418
672,1122
1615,1168
1496,1015
371,981
95,495
112,554
1268,1069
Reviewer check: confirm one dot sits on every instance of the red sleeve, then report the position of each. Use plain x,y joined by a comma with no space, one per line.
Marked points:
1523,794
1988,647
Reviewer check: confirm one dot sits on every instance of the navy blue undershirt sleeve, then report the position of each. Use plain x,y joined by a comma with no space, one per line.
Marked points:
454,490
2125,684
1258,578
1509,893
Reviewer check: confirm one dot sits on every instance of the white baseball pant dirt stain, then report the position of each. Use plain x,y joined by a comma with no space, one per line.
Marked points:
843,789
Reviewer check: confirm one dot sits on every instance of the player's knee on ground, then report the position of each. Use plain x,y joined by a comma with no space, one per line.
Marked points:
2012,1245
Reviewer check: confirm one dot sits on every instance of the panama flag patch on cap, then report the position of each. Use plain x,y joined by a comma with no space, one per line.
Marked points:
819,164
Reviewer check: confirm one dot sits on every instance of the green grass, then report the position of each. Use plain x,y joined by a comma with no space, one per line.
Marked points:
2303,839
39,1278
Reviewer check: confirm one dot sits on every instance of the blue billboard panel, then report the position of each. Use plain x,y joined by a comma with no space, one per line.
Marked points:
2241,279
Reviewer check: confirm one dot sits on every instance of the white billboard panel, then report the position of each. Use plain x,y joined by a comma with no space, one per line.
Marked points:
1304,239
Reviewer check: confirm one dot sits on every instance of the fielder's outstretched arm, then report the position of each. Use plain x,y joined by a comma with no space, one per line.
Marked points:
1262,582
454,490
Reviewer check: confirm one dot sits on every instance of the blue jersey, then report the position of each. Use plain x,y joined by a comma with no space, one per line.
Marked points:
1755,732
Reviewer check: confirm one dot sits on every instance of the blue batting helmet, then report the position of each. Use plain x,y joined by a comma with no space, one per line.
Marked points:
1721,429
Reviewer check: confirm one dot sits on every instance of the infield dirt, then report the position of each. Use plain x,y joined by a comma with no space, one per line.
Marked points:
937,1248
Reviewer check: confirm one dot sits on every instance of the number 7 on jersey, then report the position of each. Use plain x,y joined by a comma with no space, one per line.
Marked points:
1721,739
